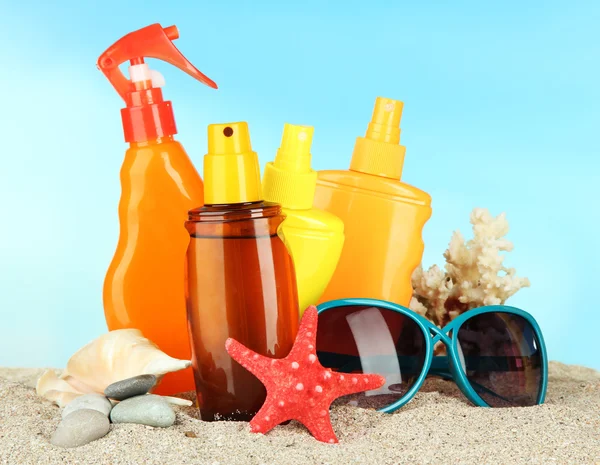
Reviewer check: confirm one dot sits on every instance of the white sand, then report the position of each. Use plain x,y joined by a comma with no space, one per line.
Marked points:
438,426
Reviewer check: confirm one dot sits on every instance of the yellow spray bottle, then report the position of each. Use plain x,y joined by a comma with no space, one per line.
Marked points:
313,237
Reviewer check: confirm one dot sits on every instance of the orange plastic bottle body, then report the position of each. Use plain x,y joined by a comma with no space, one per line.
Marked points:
241,285
383,222
145,284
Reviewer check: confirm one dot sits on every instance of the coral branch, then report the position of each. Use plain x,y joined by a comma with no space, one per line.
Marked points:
474,273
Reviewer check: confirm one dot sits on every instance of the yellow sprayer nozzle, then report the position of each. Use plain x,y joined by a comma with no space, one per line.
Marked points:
379,152
294,153
385,122
231,170
289,180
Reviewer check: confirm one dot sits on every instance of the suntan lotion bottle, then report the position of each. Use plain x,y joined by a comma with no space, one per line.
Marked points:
383,216
313,237
241,280
144,287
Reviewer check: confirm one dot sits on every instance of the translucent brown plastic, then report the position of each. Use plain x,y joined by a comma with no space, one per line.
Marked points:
241,284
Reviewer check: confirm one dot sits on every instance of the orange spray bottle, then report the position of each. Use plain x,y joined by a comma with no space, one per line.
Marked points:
145,285
383,216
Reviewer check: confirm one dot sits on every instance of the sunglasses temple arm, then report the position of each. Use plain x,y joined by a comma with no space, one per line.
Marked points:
439,364
479,388
440,367
442,370
349,363
412,364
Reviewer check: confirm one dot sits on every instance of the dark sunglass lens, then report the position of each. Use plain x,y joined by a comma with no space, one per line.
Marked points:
365,339
502,359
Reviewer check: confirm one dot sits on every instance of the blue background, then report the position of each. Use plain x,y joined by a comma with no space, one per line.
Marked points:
501,111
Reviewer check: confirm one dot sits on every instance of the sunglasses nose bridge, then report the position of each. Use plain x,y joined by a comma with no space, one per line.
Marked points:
438,335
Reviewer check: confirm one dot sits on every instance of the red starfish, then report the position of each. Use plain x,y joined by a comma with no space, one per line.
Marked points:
298,387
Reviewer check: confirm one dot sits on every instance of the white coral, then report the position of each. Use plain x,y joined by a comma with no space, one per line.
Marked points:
474,273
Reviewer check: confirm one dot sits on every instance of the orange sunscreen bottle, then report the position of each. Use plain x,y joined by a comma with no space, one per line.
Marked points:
242,282
383,216
145,286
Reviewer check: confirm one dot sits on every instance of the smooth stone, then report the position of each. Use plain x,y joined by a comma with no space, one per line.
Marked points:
80,427
130,387
88,401
149,409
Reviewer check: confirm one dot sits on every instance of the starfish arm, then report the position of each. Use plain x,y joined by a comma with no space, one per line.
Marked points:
250,360
268,417
318,423
353,383
307,333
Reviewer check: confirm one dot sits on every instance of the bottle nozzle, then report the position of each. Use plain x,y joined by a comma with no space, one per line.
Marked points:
172,32
289,180
228,139
231,171
379,152
294,152
385,122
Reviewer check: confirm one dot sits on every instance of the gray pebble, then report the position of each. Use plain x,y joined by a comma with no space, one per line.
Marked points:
88,401
80,427
130,387
148,410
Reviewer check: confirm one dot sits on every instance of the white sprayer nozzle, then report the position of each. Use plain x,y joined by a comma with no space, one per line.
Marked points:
141,73
158,79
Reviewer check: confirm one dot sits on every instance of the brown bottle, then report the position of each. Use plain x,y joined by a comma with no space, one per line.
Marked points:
241,280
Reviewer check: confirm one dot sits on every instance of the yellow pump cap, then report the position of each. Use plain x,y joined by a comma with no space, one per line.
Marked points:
231,170
380,152
289,180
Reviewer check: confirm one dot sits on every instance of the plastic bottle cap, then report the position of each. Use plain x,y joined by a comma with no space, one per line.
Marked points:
379,152
231,170
289,180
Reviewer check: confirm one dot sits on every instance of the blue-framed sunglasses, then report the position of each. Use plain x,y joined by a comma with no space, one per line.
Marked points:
495,354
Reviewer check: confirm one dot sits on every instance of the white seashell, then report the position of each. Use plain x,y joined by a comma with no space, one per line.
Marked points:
112,357
55,389
178,401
